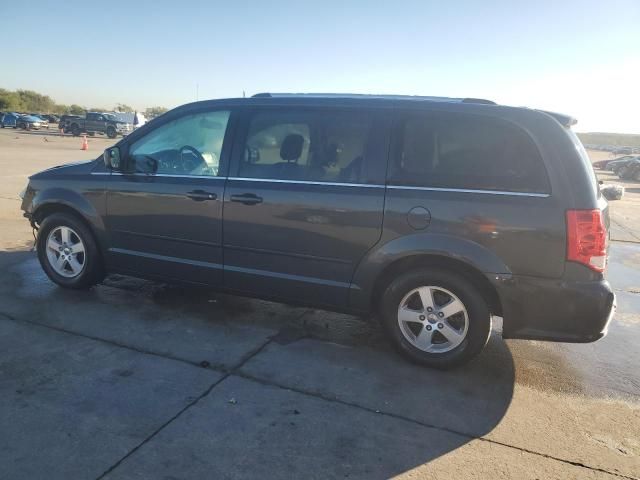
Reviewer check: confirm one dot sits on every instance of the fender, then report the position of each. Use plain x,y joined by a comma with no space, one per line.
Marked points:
74,201
440,245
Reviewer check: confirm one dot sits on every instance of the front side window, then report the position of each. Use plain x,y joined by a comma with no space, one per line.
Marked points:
467,152
319,146
189,145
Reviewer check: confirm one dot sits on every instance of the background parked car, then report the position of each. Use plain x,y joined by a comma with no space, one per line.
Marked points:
615,165
51,118
630,169
29,122
622,150
9,120
97,122
63,122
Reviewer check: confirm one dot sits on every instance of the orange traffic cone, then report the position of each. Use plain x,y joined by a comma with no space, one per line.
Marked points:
85,143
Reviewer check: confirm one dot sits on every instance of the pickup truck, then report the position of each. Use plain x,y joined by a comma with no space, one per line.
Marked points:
96,122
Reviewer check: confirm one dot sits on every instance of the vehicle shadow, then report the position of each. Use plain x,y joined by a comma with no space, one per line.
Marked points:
385,416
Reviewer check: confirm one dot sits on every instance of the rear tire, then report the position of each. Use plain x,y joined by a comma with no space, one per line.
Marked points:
78,270
75,130
451,339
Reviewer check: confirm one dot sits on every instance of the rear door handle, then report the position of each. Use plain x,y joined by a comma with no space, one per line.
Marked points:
246,198
201,195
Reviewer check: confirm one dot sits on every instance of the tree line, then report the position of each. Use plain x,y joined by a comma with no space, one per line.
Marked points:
30,101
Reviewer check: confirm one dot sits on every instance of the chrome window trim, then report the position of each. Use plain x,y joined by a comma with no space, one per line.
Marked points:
307,182
157,175
465,190
338,184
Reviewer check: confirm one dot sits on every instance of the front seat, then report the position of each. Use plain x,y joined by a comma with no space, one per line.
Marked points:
290,153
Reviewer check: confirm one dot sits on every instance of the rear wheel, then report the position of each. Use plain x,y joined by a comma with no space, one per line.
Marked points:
436,317
75,130
68,252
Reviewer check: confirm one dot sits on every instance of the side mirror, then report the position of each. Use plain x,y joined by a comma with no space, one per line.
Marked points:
111,158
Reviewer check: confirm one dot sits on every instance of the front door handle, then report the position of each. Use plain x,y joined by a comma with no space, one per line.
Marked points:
201,195
246,198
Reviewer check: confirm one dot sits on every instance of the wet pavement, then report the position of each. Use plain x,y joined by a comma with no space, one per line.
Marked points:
135,379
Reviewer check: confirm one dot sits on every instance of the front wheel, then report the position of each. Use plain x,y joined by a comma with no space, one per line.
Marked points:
111,132
68,252
436,317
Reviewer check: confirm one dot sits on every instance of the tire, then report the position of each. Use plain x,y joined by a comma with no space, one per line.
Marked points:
111,132
75,130
447,285
622,172
91,270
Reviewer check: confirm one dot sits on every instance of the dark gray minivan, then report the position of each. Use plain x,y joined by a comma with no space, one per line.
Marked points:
433,213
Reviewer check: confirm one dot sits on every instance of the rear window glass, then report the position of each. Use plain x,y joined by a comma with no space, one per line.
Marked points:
467,152
584,156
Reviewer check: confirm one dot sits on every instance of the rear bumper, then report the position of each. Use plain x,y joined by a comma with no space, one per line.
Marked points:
555,310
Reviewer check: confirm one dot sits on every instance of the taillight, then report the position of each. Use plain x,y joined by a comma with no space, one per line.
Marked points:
587,238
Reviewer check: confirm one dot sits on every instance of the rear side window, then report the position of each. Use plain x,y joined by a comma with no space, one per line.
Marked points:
307,145
466,152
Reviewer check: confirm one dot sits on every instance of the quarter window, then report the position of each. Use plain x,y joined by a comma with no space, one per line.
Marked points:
470,152
315,146
189,145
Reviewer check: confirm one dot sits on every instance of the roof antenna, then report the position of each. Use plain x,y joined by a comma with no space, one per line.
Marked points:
243,95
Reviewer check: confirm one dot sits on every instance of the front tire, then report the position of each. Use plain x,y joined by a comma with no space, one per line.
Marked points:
111,132
68,253
435,317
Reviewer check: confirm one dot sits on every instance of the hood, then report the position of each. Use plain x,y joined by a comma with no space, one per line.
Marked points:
73,168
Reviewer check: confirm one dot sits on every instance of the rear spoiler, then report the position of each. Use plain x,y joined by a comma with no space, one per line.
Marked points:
565,120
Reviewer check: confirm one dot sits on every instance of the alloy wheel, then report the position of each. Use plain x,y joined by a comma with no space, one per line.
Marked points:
66,252
433,319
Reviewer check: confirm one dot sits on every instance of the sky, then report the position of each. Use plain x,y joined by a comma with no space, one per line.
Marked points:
580,57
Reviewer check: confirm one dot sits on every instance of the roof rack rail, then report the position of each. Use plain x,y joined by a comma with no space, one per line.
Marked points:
480,101
364,95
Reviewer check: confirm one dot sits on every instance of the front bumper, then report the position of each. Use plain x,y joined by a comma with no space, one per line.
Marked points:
122,130
555,310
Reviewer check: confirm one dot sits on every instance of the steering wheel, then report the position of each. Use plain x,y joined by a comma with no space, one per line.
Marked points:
189,165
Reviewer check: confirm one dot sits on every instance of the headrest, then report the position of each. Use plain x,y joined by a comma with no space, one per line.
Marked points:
291,148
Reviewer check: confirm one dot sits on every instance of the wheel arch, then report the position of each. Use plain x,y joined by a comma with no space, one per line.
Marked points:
63,201
425,261
470,259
